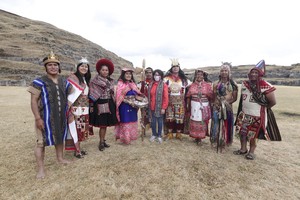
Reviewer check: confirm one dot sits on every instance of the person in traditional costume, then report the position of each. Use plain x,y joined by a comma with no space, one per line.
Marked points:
255,118
175,113
102,100
127,129
158,102
49,105
199,95
143,85
225,94
78,118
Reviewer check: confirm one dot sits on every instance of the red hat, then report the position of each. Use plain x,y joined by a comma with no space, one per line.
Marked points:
107,63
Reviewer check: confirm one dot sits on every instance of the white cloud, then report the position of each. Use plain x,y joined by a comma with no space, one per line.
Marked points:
200,33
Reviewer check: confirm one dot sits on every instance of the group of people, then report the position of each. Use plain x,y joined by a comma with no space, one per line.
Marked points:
67,109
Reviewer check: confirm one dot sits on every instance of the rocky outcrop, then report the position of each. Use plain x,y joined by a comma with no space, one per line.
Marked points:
276,75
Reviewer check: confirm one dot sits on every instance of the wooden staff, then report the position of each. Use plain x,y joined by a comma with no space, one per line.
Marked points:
143,113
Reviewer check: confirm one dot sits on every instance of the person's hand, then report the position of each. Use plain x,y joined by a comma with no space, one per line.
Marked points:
163,111
40,123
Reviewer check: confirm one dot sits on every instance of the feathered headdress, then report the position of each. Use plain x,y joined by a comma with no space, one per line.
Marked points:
174,62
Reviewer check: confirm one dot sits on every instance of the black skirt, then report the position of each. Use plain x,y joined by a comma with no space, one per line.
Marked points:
103,113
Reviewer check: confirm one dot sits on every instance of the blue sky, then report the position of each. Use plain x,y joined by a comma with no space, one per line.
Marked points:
198,32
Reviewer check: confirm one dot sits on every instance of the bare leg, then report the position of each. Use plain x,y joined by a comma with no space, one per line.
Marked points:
39,153
59,154
252,146
243,144
77,147
91,131
243,150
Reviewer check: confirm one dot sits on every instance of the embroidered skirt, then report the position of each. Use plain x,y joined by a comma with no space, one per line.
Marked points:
103,113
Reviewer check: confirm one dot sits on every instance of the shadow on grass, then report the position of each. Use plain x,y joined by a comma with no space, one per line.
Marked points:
289,114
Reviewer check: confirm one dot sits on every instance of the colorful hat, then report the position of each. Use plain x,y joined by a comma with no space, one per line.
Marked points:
260,67
51,58
107,63
127,69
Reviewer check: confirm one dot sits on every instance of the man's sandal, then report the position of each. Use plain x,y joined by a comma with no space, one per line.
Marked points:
250,156
239,152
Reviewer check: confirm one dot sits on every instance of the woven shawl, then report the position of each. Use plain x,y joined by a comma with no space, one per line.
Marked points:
158,97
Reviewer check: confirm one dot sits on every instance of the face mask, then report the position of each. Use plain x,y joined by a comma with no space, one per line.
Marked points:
157,78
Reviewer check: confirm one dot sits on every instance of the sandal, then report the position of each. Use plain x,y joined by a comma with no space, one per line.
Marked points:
78,155
83,152
101,147
239,152
105,144
250,156
198,141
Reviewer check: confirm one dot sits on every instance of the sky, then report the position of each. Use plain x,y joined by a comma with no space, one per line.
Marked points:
199,33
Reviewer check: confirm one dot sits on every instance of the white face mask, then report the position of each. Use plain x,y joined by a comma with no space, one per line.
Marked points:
157,78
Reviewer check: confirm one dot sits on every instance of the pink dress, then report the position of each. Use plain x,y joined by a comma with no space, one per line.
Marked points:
199,93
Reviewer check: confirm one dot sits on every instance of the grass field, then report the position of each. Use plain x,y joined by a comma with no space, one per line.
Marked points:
144,170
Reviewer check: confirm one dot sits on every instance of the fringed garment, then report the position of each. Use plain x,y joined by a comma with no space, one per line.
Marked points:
175,113
102,102
200,109
255,120
78,118
127,129
221,131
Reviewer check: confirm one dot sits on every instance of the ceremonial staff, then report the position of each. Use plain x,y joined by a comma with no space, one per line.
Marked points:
143,112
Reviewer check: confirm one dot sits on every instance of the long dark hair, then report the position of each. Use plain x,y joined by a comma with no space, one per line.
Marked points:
159,72
122,76
87,76
180,73
205,76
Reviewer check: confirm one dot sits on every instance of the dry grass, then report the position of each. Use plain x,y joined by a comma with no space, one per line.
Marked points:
173,170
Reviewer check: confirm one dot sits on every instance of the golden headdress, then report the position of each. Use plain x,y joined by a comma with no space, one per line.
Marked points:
51,58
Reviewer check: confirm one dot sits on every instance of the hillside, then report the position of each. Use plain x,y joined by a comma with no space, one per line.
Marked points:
24,42
277,75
